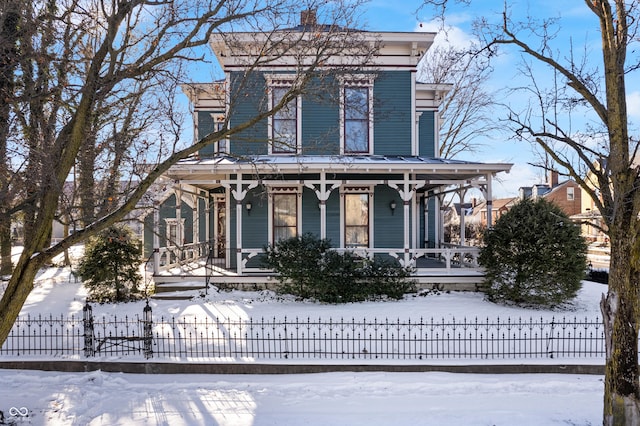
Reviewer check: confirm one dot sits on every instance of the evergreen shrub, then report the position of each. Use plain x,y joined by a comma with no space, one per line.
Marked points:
533,256
307,267
110,266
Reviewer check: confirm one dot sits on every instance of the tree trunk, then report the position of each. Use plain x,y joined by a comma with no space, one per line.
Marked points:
5,246
620,316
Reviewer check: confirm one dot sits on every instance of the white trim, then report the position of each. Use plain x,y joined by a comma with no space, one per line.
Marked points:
415,150
283,81
219,119
360,189
291,190
169,222
362,81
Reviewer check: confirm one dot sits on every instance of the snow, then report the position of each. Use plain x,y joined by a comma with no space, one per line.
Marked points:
343,398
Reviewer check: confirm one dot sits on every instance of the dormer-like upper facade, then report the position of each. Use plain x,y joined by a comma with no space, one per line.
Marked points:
366,101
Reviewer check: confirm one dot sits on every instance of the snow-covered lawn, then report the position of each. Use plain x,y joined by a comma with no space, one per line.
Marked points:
99,398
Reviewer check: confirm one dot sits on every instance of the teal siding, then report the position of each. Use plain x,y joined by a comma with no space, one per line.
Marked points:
310,213
249,99
321,122
255,224
167,210
431,225
202,220
388,225
392,113
333,218
426,130
205,126
186,213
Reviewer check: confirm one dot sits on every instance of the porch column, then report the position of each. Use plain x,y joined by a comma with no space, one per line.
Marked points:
322,199
196,222
323,195
463,231
323,219
489,197
440,220
407,194
239,230
207,213
179,231
239,193
407,242
156,239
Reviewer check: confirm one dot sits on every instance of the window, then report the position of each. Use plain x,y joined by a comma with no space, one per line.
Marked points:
173,232
356,220
284,123
285,216
356,120
221,145
570,194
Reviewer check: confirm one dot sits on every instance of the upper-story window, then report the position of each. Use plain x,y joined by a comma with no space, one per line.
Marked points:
570,194
284,131
219,147
357,118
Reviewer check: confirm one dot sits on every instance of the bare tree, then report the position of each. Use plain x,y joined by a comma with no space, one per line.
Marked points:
9,33
563,85
105,51
467,109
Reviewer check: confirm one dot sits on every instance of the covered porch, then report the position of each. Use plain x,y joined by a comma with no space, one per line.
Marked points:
401,199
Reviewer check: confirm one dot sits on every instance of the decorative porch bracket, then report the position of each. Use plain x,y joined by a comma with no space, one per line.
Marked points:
239,193
407,193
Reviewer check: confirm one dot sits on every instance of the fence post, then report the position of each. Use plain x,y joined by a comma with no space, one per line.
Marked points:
87,321
148,331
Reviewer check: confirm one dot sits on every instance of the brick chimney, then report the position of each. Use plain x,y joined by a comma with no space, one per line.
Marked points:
308,17
553,179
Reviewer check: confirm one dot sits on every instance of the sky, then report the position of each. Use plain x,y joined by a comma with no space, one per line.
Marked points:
341,398
577,26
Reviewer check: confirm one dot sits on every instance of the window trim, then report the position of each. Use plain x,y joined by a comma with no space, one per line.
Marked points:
356,190
221,146
171,222
284,190
283,81
364,81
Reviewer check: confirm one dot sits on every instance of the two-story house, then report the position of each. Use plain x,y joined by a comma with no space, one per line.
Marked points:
356,166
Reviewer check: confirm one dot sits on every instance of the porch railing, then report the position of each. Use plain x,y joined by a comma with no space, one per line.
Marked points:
446,257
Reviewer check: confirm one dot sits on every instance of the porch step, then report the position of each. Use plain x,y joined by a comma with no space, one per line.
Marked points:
177,290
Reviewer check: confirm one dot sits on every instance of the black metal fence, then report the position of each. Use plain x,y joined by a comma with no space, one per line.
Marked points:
192,338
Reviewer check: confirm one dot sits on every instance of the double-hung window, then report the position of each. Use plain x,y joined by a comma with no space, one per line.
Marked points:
220,147
356,220
284,215
284,124
357,117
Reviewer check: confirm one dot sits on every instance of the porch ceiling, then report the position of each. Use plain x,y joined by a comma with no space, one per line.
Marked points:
208,173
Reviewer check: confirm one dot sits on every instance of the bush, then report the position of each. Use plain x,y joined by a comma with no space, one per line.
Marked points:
110,266
309,269
534,256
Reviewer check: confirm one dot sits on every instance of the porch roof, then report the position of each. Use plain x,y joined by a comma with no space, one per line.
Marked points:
436,171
